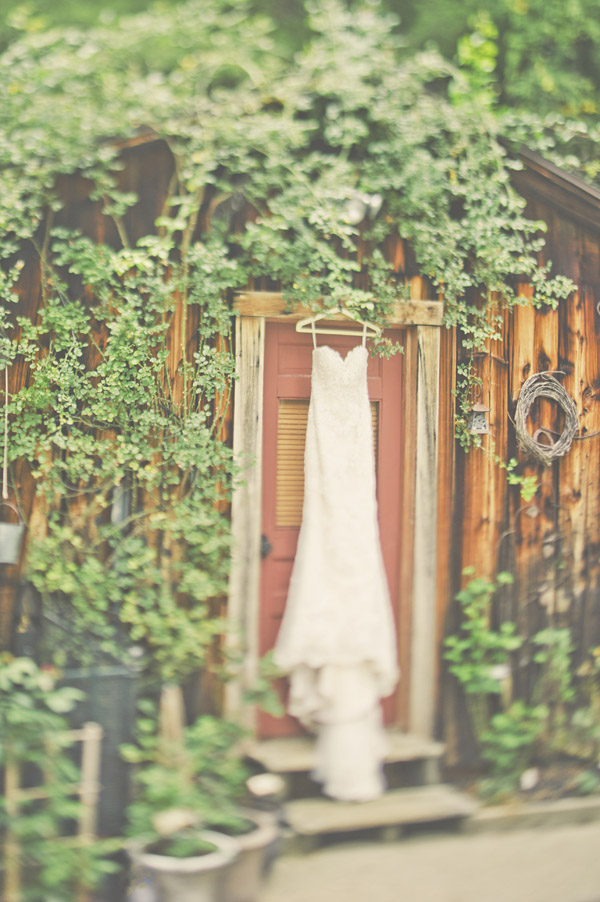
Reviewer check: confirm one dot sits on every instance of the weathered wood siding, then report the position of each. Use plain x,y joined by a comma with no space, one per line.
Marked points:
552,545
148,169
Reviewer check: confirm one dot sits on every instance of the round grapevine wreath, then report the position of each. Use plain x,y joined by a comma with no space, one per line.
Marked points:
545,385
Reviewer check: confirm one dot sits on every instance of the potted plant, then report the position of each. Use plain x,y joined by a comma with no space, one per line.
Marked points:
188,866
221,774
188,822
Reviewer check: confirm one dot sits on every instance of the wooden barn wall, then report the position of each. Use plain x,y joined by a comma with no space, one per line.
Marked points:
552,545
148,171
556,553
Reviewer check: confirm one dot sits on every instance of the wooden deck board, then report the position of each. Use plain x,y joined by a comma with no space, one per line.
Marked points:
422,804
296,754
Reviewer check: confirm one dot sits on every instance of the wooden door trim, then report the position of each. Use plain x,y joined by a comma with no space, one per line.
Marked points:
243,607
419,506
423,651
273,306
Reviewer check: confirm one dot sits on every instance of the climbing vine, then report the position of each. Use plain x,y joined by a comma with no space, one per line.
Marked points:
290,164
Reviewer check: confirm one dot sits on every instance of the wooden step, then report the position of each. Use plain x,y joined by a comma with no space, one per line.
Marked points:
312,819
296,754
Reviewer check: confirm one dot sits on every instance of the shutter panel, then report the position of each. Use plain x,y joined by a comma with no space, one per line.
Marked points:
291,438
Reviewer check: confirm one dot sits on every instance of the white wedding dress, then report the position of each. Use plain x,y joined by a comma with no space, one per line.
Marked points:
337,638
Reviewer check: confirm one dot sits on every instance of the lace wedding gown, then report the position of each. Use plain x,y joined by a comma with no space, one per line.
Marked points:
337,638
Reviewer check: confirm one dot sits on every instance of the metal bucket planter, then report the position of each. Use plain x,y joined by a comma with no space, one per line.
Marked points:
196,879
11,536
244,880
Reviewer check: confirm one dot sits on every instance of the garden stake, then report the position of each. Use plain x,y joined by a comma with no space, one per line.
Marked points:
12,871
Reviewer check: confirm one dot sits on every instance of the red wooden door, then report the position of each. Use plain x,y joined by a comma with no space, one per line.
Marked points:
288,361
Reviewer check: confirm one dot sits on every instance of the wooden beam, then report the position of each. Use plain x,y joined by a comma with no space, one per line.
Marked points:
567,193
90,785
246,511
424,644
89,792
272,305
407,519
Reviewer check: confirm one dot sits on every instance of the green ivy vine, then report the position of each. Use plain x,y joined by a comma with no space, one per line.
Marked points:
351,139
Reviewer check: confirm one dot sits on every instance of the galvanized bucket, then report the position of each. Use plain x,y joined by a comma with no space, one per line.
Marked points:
11,535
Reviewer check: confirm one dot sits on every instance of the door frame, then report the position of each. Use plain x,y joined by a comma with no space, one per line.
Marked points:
422,321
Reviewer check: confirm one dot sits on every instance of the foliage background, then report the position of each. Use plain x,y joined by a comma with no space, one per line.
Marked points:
280,122
540,57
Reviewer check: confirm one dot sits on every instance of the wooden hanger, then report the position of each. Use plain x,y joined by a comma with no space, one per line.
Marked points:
309,324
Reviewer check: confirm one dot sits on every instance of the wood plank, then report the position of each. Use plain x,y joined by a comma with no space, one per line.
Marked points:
422,804
407,514
424,645
446,473
89,786
589,623
297,754
272,305
478,547
244,583
579,468
572,469
522,530
484,481
449,538
543,577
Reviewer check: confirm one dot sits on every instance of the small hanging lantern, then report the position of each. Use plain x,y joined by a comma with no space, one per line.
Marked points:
477,423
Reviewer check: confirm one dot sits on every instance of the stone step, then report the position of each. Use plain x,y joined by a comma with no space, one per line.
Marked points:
310,820
296,754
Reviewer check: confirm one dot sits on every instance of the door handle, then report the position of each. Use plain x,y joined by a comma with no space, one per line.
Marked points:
265,547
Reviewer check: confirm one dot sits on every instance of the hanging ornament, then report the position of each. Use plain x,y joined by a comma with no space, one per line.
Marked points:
477,423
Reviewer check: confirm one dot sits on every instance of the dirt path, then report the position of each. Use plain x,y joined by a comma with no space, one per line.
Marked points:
559,864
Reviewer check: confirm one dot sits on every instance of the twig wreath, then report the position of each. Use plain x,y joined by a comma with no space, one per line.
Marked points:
545,385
